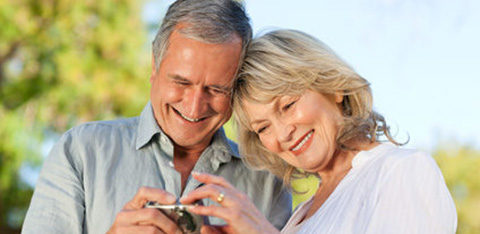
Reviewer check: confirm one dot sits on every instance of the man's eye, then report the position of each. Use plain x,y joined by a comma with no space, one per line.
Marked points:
219,91
179,82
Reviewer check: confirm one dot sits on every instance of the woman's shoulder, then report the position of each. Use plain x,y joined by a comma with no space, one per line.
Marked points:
409,171
392,156
410,180
388,161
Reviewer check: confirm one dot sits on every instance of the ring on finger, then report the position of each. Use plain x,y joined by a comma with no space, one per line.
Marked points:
220,197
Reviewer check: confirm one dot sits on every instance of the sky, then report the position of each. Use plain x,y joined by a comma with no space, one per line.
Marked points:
422,57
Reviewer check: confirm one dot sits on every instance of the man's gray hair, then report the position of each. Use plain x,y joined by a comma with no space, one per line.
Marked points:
209,21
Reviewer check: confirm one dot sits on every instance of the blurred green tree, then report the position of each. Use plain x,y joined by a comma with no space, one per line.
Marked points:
62,62
460,165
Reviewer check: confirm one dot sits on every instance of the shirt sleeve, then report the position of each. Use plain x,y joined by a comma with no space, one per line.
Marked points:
57,205
413,199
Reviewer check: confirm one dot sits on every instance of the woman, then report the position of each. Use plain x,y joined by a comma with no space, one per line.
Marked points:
301,109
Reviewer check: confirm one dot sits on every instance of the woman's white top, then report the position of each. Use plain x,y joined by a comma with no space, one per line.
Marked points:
388,190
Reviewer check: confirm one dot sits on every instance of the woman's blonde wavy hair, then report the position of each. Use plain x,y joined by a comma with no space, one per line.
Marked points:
289,62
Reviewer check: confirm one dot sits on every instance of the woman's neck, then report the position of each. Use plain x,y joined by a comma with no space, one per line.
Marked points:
333,174
341,161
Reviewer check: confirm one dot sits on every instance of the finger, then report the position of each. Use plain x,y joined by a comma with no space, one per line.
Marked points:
217,211
235,217
145,194
147,217
211,179
207,229
135,230
212,192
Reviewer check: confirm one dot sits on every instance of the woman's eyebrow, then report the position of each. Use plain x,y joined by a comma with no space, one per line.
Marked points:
275,104
256,121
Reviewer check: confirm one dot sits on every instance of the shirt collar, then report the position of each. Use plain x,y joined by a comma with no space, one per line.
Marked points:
148,128
221,143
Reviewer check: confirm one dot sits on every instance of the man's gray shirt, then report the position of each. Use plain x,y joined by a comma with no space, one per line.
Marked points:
96,168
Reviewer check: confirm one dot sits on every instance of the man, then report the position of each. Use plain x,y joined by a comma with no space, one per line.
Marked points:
99,175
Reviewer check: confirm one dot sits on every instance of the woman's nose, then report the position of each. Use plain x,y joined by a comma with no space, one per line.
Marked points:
285,132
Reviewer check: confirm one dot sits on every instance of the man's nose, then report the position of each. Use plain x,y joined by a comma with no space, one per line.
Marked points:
197,102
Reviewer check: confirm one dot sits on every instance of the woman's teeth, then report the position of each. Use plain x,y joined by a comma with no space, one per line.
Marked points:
303,141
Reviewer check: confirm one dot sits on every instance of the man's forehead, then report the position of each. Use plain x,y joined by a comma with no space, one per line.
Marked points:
182,31
188,30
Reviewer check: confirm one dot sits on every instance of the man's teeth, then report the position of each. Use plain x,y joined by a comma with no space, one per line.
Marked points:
302,142
189,119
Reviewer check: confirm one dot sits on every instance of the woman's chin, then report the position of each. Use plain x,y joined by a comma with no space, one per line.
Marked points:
310,167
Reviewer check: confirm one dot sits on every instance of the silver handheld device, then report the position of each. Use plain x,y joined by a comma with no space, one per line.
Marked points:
186,221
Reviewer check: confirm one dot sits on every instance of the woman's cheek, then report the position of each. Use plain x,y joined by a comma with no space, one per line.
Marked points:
269,144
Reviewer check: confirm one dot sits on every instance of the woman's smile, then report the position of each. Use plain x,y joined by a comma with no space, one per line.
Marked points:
303,143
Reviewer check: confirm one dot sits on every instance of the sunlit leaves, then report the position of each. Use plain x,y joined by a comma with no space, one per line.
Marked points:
63,62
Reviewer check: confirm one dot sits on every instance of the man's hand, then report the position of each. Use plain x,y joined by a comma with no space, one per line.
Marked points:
133,218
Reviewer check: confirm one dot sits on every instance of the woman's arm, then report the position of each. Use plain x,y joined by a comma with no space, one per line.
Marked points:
235,207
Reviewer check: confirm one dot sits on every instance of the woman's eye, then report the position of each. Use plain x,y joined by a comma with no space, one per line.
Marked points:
286,107
261,130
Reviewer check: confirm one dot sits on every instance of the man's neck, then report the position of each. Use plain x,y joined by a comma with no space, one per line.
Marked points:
184,161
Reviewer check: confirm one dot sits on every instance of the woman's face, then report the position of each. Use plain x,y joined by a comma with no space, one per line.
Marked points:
299,129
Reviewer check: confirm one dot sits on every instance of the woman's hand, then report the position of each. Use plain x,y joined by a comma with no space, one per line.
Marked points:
236,208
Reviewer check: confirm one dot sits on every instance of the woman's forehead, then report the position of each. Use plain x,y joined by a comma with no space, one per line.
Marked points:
261,110
255,110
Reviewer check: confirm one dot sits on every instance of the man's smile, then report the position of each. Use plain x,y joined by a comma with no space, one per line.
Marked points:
193,120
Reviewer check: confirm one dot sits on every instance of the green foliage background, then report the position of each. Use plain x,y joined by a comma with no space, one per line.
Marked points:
63,62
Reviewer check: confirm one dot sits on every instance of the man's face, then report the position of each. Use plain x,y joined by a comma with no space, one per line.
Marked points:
190,91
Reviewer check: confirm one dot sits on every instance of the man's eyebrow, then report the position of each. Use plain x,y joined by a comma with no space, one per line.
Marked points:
226,88
177,77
